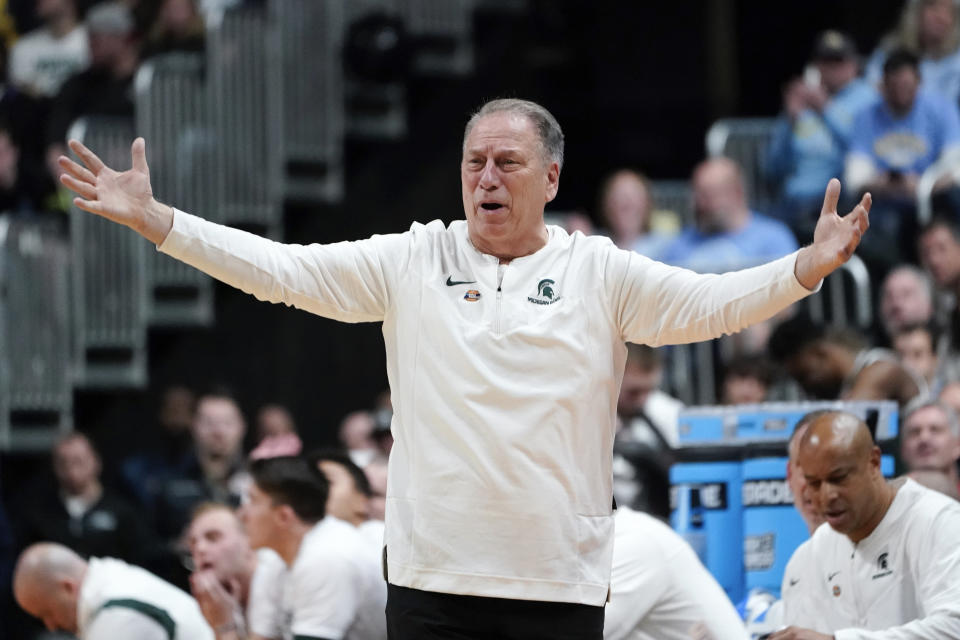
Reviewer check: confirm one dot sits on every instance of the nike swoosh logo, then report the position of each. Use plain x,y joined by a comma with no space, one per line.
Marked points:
453,283
794,581
831,576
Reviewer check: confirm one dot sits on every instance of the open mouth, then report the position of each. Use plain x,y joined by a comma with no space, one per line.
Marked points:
491,206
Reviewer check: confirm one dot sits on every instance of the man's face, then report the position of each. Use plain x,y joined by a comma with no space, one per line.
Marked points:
218,427
915,349
840,486
936,20
717,197
638,384
258,514
836,74
217,542
815,370
76,466
56,607
345,501
940,254
802,499
626,206
900,88
904,300
505,181
927,442
743,390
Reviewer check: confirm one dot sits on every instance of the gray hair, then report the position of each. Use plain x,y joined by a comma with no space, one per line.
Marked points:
547,127
922,277
924,402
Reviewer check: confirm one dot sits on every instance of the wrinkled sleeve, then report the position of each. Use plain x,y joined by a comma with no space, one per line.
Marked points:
346,281
657,304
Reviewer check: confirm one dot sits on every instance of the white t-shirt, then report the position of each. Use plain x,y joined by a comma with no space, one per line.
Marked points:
504,392
901,582
118,600
335,588
40,63
660,590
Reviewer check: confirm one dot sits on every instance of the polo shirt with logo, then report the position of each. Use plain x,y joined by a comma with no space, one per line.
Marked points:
504,382
902,581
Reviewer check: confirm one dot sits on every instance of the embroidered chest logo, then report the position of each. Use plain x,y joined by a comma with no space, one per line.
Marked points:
472,295
546,293
882,567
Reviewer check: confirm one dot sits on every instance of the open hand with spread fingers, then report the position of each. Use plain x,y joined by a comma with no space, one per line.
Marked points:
123,197
835,238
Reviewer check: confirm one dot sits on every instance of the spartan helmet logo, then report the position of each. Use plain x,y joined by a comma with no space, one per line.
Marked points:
882,562
545,289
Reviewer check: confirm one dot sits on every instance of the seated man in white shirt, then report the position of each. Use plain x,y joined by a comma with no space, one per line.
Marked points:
659,588
103,598
331,586
227,572
350,495
888,565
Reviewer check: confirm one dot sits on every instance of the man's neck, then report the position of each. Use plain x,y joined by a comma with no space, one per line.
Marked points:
90,495
244,579
509,250
215,468
288,546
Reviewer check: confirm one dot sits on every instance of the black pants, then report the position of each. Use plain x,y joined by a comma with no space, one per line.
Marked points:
424,615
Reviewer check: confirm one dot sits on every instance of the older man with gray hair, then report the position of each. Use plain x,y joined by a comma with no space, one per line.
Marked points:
505,342
930,439
906,298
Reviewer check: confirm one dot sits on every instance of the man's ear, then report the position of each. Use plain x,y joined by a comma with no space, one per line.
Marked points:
553,180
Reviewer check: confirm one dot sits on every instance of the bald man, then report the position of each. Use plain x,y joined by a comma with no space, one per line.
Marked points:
103,599
887,566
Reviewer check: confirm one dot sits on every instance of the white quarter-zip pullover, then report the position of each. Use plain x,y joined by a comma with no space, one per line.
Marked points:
902,582
504,389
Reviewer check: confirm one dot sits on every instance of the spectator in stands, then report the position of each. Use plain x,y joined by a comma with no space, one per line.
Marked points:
81,513
895,140
930,439
642,405
746,380
936,480
813,134
887,559
376,473
832,363
103,598
41,61
916,345
21,191
802,501
906,298
274,420
930,30
168,451
350,494
177,27
214,471
106,87
727,234
939,248
356,436
626,202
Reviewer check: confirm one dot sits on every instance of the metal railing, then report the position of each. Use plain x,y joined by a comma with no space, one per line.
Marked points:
745,140
171,113
36,386
109,276
845,299
443,30
243,96
312,100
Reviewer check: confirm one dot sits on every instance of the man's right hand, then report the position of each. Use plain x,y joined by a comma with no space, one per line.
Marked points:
124,197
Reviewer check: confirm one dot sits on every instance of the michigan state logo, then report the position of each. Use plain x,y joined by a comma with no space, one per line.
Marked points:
546,292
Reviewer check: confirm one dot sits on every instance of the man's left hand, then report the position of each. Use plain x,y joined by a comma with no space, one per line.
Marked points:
217,605
796,633
835,238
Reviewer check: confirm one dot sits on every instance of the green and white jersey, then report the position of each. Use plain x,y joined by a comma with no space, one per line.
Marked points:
504,383
118,600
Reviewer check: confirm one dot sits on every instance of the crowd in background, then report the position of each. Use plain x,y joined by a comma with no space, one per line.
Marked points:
878,122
